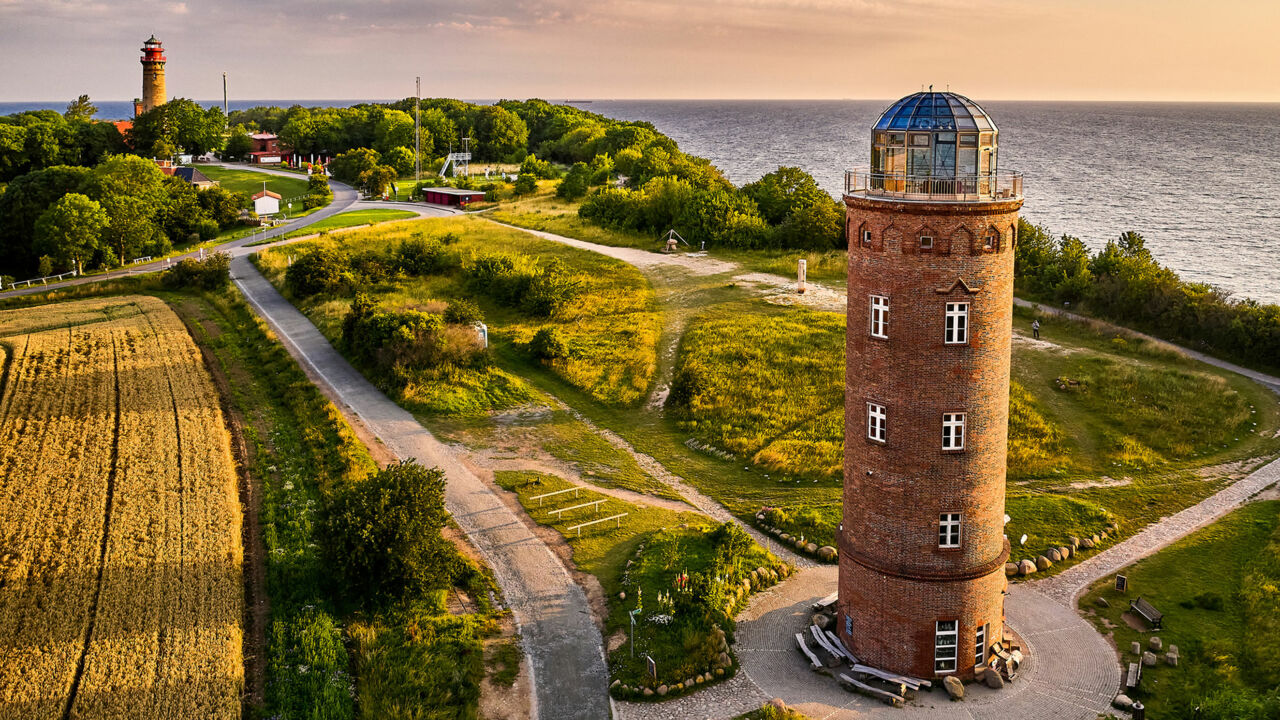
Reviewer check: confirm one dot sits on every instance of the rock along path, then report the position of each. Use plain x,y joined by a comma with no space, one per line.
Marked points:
563,644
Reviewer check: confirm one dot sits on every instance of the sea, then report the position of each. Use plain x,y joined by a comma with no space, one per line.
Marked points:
1200,181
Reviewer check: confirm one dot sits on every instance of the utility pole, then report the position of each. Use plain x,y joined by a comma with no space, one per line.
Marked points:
225,122
417,133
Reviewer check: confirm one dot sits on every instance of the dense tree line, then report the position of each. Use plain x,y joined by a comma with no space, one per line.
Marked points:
44,138
67,217
1124,283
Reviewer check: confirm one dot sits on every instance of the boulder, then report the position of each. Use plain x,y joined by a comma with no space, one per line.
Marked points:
1096,540
723,659
955,688
615,684
1043,563
1103,534
811,548
622,595
1026,567
1173,649
1135,647
1053,555
663,689
1065,552
1122,702
799,543
822,621
700,679
778,703
1149,659
648,692
991,678
1010,569
1102,602
1171,659
827,553
1074,542
1087,543
1155,644
689,682
719,672
784,537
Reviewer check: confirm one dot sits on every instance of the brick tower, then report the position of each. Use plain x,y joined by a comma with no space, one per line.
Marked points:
153,91
931,228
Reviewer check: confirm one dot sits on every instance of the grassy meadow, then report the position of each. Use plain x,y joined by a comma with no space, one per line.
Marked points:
610,326
353,218
1217,590
250,182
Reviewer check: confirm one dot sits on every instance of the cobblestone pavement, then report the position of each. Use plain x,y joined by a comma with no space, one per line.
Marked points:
1070,673
564,646
1068,585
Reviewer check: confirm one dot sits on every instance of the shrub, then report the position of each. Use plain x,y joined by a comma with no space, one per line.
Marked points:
206,229
319,271
382,535
526,184
374,266
549,344
536,168
422,255
463,312
575,183
548,290
211,273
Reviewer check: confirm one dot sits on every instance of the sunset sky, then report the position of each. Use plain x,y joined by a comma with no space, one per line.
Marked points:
563,49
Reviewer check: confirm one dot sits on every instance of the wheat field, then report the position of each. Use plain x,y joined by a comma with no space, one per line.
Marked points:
120,549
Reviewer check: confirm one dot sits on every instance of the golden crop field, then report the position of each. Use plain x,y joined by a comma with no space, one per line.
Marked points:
120,553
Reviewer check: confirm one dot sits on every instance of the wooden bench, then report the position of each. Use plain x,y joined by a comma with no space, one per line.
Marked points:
1147,611
813,659
1135,675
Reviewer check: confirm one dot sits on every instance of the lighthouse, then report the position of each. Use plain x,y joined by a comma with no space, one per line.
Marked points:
153,91
931,227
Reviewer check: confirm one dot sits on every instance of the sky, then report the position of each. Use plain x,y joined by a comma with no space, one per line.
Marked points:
1175,50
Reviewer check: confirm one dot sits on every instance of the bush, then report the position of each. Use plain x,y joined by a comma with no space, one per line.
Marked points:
320,271
536,168
526,184
206,229
382,535
575,183
422,255
548,290
463,312
549,344
211,273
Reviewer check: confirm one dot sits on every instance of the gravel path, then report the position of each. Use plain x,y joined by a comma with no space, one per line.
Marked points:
562,642
1070,673
695,263
1067,586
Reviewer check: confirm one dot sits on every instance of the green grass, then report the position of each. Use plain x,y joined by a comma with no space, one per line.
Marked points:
642,558
1208,585
503,662
349,219
612,324
769,712
544,211
250,182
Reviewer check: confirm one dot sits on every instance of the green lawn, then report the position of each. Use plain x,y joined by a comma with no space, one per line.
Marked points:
250,182
348,219
1218,591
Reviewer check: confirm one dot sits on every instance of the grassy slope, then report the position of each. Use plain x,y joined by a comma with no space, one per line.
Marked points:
1215,644
352,219
250,182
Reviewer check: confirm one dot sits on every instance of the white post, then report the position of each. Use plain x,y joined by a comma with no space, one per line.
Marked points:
801,272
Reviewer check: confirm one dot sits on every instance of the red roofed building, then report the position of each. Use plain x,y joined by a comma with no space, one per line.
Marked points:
266,149
266,202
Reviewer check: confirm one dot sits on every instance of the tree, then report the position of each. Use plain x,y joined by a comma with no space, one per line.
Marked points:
400,158
783,191
375,180
819,226
526,184
348,166
238,145
576,182
22,204
179,124
131,191
500,134
394,130
383,533
80,109
70,230
221,205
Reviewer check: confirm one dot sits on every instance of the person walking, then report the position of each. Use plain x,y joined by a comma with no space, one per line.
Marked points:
1035,329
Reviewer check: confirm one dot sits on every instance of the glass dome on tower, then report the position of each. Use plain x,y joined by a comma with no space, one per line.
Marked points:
935,146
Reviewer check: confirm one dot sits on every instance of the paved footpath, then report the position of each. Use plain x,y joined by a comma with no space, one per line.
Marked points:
562,642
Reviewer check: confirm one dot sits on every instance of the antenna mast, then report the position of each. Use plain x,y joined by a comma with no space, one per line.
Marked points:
417,131
225,121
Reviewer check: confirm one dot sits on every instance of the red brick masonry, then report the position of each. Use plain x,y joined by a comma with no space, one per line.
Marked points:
895,580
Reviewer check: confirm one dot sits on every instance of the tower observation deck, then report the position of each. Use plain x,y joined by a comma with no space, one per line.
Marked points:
931,227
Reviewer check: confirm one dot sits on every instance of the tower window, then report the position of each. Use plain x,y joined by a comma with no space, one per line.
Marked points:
957,326
877,422
991,241
879,316
945,639
866,238
926,242
953,431
980,646
949,530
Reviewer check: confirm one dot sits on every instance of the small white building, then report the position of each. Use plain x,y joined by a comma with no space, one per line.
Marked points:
266,203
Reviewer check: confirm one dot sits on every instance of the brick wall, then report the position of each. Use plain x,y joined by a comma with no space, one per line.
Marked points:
895,580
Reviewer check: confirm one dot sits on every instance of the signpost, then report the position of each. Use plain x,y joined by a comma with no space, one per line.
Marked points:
1122,583
653,668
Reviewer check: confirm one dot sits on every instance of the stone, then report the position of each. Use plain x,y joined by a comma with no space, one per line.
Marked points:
1135,647
811,548
799,543
1155,644
1096,540
689,682
1171,659
622,595
699,679
1087,543
955,688
719,672
1053,555
1074,542
723,659
822,621
992,679
663,689
1149,659
1173,649
784,537
648,692
1026,567
1043,563
1065,552
615,684
1122,702
1010,569
778,703
827,553
1102,602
